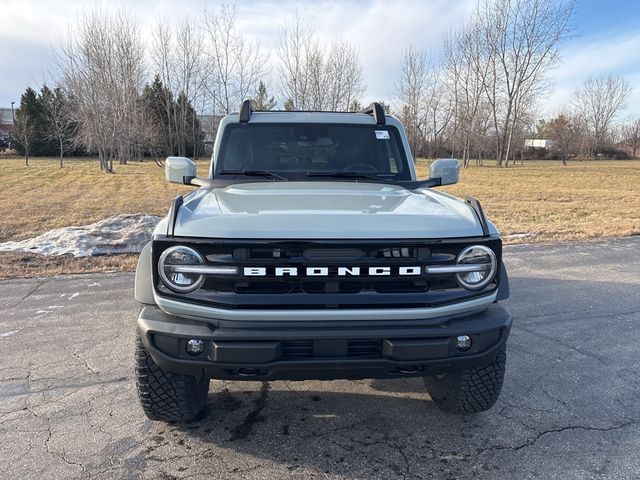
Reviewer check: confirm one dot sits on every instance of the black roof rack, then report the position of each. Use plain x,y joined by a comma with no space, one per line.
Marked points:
375,109
245,111
378,112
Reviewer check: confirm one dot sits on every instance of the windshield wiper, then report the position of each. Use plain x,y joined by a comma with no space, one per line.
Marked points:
347,174
254,173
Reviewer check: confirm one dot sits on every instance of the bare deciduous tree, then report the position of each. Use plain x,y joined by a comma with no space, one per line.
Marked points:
24,131
163,57
56,115
425,102
412,90
521,40
236,64
598,102
189,74
294,51
343,76
314,76
565,130
631,134
101,68
467,70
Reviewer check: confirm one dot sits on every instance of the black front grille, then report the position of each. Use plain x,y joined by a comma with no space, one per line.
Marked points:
329,286
297,348
292,349
332,290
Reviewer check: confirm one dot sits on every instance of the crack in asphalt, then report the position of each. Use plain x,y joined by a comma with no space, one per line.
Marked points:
61,456
83,360
542,433
25,296
566,345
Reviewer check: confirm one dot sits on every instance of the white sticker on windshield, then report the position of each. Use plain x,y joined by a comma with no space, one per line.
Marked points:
382,134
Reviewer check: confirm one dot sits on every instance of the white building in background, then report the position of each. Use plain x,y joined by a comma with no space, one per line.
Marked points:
6,125
539,143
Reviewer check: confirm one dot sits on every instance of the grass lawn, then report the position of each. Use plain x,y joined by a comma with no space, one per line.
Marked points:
546,202
537,202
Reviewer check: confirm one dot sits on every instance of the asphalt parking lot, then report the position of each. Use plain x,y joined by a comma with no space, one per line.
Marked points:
570,405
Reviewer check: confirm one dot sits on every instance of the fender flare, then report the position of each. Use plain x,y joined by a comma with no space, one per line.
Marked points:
503,285
144,277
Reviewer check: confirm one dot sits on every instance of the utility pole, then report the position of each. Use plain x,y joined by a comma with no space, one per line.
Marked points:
13,115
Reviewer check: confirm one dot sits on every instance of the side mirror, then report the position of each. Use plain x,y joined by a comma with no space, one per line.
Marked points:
177,168
446,169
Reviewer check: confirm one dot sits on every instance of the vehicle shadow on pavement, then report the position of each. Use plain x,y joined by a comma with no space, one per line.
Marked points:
347,429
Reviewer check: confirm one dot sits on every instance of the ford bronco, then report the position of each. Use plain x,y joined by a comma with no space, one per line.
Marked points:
312,251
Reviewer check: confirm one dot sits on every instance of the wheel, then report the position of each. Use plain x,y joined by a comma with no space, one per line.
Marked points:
168,396
469,391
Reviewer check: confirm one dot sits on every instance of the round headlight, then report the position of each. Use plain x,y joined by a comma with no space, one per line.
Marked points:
174,270
482,265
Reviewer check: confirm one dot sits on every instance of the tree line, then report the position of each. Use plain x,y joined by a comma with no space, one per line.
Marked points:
480,97
115,97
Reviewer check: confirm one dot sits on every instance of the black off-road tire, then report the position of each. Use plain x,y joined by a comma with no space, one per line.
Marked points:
469,391
168,396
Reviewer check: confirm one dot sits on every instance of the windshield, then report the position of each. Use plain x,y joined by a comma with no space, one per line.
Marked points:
297,150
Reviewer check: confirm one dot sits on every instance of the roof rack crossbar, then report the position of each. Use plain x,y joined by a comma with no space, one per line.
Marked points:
245,111
377,111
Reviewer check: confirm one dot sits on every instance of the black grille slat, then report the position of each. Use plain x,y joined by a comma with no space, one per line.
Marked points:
355,348
297,348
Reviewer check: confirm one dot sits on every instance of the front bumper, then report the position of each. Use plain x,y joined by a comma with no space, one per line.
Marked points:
307,350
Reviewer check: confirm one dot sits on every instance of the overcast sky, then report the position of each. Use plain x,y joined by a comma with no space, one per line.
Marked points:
607,36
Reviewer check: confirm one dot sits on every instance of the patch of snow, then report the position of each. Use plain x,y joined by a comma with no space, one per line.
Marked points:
74,295
126,233
521,235
94,284
8,334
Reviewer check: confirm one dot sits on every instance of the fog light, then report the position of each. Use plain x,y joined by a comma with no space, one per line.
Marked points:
195,347
463,342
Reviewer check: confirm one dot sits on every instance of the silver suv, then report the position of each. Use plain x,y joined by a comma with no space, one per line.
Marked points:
312,251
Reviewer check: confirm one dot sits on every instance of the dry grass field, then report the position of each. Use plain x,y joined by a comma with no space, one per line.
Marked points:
537,202
546,202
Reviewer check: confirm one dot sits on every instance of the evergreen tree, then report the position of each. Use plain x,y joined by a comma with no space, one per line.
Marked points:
192,138
173,125
27,124
159,108
261,102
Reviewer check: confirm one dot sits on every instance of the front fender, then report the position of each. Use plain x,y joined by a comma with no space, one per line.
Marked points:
144,277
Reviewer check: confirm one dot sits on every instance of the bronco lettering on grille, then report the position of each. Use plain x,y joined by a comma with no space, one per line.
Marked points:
326,271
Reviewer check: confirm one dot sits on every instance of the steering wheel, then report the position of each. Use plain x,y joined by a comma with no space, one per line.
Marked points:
360,167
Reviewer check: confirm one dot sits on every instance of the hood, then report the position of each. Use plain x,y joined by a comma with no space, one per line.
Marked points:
323,210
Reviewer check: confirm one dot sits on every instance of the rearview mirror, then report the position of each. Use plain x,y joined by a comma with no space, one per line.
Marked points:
177,168
446,169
